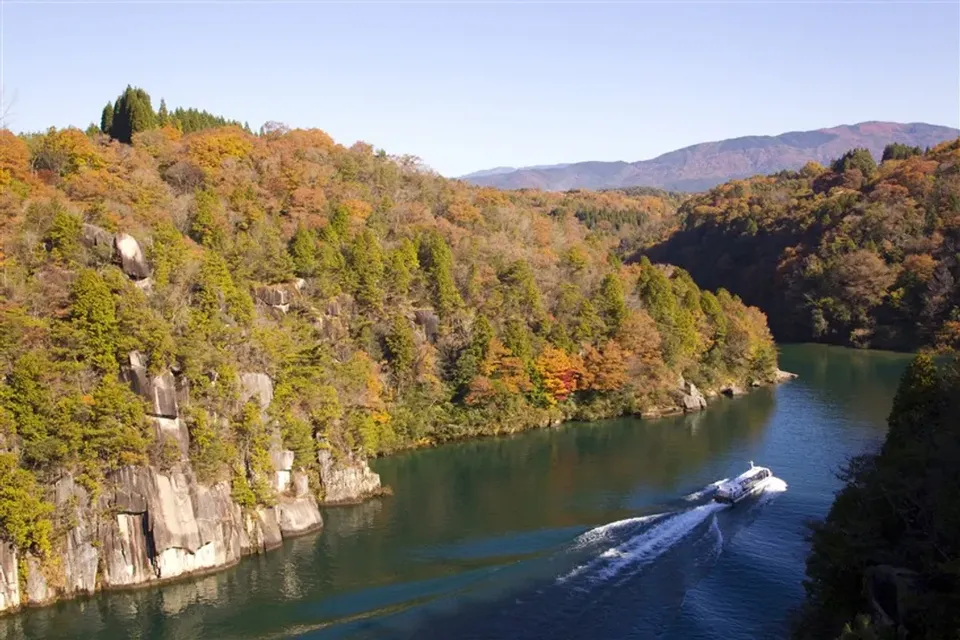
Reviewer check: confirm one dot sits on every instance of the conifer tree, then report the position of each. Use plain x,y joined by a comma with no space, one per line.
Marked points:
106,119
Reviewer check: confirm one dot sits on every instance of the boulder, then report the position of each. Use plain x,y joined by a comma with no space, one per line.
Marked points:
97,239
783,376
9,578
692,399
347,479
298,515
130,256
429,321
160,391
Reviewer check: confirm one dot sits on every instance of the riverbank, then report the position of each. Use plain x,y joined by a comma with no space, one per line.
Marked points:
153,527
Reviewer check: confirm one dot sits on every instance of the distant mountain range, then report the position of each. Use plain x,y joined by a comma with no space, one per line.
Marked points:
705,165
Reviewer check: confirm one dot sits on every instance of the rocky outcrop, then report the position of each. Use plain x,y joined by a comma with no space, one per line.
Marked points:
130,256
121,248
691,398
429,322
258,386
346,480
782,376
150,525
160,391
9,578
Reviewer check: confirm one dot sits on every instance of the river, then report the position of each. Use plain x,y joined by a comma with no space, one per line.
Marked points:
590,530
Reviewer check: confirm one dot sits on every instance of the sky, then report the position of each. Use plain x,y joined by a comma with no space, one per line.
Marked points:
469,86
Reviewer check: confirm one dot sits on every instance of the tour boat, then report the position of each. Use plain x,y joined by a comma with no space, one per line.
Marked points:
745,484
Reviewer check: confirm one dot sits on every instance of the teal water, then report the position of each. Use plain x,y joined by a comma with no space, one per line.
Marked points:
590,530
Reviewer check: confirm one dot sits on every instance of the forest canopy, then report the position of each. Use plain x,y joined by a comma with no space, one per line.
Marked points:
856,254
391,307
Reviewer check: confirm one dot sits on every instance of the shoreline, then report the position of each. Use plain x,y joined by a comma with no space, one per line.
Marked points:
386,492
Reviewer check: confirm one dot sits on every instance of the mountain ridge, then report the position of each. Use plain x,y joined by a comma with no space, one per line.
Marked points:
707,164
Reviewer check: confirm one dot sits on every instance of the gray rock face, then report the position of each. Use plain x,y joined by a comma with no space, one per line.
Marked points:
160,526
97,239
692,399
256,386
80,554
298,515
263,529
276,295
160,392
283,464
346,480
9,578
130,256
175,429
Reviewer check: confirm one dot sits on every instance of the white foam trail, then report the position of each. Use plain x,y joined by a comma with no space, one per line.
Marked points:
645,546
696,495
603,531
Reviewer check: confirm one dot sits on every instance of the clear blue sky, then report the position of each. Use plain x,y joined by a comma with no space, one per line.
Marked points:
469,87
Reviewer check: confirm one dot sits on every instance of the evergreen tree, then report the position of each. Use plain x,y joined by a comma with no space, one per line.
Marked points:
132,114
106,119
163,117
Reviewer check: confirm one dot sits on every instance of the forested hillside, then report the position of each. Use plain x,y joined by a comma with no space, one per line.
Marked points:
884,562
371,305
855,253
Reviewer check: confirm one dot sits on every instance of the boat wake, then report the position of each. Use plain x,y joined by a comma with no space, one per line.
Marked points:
702,493
657,534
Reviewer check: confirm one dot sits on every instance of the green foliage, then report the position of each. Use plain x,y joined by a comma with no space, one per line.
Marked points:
168,254
207,227
897,513
106,119
63,237
437,261
24,515
93,315
303,250
860,159
858,255
401,348
523,315
611,303
132,113
898,151
209,453
365,262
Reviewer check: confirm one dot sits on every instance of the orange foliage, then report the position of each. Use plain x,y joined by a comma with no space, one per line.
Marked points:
209,148
605,369
561,372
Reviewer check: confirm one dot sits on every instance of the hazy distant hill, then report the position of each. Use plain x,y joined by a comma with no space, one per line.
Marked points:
711,163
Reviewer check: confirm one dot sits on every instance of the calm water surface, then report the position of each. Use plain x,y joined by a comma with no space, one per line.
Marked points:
596,530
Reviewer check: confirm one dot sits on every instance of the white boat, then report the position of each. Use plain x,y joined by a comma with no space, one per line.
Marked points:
747,483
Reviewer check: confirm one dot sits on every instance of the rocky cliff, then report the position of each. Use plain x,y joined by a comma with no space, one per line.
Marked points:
150,525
